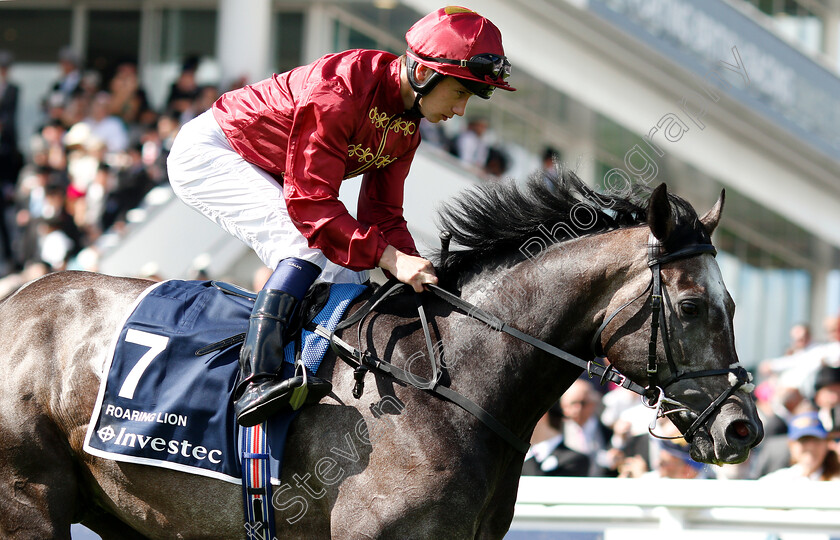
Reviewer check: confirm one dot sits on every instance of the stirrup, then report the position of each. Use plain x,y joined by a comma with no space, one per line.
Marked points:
292,393
299,393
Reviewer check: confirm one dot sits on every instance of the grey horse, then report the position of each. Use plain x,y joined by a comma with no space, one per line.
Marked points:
552,261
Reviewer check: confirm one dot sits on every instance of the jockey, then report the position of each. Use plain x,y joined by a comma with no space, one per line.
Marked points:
267,160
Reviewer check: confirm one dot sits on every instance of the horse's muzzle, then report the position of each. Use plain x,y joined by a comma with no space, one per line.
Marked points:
730,437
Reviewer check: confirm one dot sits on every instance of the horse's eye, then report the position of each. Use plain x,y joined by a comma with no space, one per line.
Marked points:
689,308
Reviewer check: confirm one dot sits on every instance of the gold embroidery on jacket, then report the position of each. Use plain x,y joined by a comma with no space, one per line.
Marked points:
379,120
367,156
407,128
364,154
384,161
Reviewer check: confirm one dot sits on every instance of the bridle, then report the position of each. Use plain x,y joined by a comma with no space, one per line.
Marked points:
653,395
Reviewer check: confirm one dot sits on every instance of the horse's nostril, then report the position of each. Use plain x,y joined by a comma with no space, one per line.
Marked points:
740,429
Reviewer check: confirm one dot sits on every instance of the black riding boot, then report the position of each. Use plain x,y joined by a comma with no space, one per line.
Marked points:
261,358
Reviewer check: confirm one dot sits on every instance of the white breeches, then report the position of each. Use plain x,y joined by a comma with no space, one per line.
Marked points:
207,174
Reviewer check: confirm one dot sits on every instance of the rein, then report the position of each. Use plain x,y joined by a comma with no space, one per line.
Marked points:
653,395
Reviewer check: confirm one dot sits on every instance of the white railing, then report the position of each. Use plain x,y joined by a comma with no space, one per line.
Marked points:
678,509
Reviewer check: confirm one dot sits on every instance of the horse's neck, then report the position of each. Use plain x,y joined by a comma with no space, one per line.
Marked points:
563,293
560,298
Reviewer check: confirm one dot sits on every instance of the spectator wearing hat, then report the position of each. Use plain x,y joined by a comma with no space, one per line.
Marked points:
674,461
669,458
789,389
827,395
827,387
810,455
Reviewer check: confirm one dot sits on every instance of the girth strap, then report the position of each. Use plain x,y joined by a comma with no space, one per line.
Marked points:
256,483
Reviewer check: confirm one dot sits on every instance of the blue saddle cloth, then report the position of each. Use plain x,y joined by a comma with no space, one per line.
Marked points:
160,404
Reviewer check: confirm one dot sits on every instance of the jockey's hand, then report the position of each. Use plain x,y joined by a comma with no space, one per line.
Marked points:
412,270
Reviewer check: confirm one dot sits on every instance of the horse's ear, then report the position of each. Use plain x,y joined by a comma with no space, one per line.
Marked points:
712,217
659,216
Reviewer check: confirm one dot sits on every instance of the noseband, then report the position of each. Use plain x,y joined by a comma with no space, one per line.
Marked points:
653,395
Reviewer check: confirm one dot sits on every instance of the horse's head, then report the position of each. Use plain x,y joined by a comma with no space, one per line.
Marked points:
676,339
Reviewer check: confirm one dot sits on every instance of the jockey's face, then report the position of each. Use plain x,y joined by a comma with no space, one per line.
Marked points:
448,98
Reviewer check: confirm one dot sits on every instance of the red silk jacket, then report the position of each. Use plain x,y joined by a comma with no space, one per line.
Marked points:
319,124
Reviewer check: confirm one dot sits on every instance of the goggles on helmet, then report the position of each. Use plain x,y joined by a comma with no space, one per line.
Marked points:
487,67
490,65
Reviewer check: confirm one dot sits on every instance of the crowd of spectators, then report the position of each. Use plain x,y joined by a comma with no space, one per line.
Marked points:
473,146
102,145
100,148
594,431
480,151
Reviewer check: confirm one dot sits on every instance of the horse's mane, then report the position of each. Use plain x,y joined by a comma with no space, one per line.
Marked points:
491,223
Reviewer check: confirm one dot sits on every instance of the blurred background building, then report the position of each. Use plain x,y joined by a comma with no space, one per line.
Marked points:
741,95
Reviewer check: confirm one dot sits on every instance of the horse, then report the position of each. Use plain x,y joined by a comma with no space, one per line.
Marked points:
561,263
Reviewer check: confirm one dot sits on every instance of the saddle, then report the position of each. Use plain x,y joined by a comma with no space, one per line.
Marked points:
165,398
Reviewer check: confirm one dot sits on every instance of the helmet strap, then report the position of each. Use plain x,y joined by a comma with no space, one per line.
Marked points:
415,109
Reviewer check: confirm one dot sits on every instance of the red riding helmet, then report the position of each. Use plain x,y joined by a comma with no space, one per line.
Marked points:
458,42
